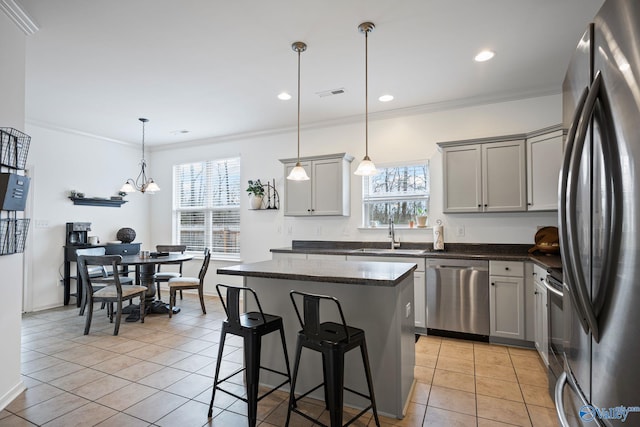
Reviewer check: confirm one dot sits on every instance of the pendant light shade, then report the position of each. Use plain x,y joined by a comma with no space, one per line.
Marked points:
298,173
366,166
141,183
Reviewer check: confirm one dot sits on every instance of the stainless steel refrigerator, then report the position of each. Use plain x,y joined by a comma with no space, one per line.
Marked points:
599,219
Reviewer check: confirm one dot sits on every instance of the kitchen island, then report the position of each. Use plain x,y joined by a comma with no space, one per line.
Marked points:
375,296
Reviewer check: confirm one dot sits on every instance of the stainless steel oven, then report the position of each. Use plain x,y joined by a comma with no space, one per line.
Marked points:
553,283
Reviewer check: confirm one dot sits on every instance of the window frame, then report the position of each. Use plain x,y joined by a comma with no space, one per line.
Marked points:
366,199
209,209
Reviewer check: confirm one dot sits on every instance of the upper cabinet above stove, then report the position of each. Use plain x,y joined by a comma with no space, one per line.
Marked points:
512,173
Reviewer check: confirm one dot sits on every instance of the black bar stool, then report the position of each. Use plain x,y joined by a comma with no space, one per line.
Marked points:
333,340
251,326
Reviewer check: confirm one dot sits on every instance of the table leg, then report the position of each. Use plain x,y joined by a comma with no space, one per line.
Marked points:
145,273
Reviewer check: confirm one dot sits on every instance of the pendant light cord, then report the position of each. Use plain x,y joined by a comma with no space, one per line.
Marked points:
366,94
299,105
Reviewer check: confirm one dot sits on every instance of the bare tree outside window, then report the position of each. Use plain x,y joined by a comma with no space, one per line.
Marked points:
397,192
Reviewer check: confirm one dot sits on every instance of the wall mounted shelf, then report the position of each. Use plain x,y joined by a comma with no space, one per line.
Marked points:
96,201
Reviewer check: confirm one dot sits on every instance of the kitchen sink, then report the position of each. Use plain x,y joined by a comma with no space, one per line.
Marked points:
399,251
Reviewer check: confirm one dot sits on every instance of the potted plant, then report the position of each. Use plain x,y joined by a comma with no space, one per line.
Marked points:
421,217
256,193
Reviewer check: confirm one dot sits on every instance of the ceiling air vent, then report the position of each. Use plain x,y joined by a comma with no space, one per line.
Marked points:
331,92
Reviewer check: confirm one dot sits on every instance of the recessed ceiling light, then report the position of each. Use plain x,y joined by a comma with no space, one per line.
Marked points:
385,98
484,55
284,96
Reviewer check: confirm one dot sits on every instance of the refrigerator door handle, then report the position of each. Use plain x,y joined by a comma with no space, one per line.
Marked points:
581,136
563,207
612,170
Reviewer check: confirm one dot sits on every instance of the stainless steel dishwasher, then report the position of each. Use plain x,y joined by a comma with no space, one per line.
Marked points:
458,295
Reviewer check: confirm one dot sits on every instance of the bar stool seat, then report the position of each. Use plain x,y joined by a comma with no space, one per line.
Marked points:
333,340
251,326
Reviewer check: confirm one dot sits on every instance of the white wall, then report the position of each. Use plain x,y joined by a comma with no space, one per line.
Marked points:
390,140
12,70
60,162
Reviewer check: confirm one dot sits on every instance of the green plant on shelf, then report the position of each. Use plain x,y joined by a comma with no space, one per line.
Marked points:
256,188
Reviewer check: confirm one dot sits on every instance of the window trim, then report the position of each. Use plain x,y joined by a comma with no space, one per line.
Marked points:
208,211
364,199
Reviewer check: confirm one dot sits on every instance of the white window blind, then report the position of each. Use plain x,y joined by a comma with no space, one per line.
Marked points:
207,206
399,192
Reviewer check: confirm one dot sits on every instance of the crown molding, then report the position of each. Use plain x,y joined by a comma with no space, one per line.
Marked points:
347,120
380,115
56,128
19,17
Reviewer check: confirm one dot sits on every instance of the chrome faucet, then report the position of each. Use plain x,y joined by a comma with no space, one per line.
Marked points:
392,235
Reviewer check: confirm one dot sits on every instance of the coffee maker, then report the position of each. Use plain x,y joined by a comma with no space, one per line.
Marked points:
77,233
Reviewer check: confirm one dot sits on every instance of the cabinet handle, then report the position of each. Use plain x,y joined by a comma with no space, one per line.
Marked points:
534,273
506,268
529,204
479,206
493,284
535,292
485,205
308,210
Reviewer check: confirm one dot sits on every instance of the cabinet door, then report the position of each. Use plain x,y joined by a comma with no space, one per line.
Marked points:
419,300
544,158
541,322
462,179
504,184
327,187
506,307
297,194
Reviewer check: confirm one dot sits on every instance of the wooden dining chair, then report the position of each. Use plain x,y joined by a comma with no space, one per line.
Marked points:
113,292
180,283
101,275
165,276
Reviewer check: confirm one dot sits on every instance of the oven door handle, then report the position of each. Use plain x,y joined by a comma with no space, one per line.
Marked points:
562,381
551,288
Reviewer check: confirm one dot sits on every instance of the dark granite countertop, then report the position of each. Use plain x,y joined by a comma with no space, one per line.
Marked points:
492,251
352,273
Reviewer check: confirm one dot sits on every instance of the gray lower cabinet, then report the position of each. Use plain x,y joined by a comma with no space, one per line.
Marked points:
419,284
540,314
507,299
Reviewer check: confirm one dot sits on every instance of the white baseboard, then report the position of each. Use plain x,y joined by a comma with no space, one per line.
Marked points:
11,394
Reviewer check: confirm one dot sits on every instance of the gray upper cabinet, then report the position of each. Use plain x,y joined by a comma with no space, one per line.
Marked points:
327,192
462,178
486,175
544,159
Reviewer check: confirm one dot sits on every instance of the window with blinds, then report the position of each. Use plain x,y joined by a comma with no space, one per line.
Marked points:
207,206
399,192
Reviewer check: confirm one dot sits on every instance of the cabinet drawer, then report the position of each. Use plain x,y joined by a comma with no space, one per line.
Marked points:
123,249
506,268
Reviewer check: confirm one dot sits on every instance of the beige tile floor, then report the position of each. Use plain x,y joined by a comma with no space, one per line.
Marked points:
160,374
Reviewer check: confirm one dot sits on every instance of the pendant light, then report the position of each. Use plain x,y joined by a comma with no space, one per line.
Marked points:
298,173
141,183
366,166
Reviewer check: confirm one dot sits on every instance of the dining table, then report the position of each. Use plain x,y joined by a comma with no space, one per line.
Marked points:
145,267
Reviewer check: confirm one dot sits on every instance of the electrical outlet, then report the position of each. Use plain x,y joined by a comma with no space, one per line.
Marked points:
460,231
289,230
